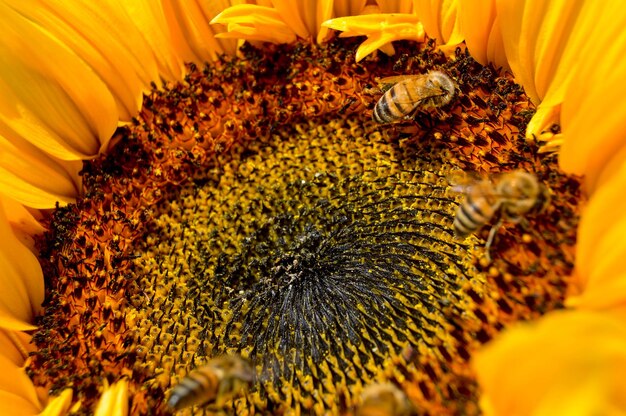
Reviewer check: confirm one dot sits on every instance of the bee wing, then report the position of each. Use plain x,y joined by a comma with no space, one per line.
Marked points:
388,82
463,182
394,79
460,181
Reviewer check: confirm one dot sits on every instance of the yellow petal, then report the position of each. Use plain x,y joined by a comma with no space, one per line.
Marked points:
537,35
594,108
44,98
60,405
348,7
32,177
439,18
16,388
21,282
380,29
374,23
495,46
248,21
609,297
299,14
569,362
15,346
191,32
150,19
519,20
601,247
323,13
24,222
103,35
476,20
395,6
557,31
12,404
114,400
305,16
542,120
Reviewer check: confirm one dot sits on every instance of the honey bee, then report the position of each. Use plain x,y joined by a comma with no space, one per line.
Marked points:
408,93
383,399
222,379
514,194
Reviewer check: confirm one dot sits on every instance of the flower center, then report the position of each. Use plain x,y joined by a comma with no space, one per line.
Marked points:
258,210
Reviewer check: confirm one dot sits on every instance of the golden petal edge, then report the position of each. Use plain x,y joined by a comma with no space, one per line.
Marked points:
476,21
21,283
114,400
16,388
43,82
572,359
59,405
254,22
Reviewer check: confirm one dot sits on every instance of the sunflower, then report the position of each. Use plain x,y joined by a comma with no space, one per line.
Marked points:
199,180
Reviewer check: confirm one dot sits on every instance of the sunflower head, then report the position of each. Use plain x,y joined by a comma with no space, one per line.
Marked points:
257,210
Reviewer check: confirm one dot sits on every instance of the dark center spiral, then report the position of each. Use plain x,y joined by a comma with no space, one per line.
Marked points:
319,258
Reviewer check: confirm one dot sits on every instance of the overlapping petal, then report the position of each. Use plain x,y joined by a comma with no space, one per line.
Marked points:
567,363
59,405
380,29
348,7
103,35
254,22
15,346
306,16
21,283
44,95
594,110
34,177
191,35
440,19
17,393
479,25
114,400
601,249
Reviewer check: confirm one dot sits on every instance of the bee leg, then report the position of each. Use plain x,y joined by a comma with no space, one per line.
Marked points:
492,236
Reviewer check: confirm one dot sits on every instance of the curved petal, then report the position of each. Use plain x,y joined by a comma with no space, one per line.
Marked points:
13,404
306,16
192,35
253,22
594,110
24,222
600,249
17,390
15,346
380,29
21,282
348,7
60,405
476,21
495,46
439,18
537,35
572,363
32,177
43,92
114,400
103,35
544,118
151,21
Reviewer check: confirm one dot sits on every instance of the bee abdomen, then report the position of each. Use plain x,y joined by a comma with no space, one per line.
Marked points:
196,388
388,109
470,216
